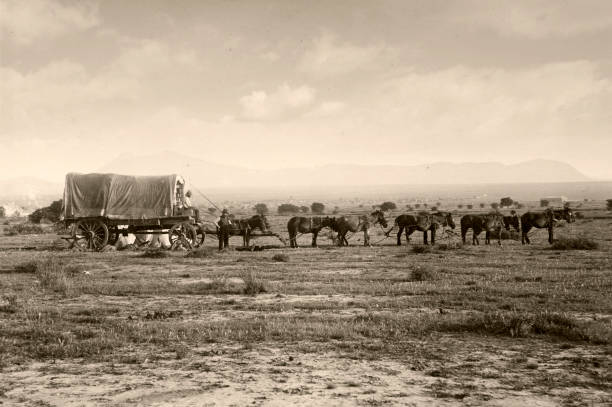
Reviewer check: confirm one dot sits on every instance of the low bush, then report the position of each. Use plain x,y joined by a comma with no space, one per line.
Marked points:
8,303
252,284
24,229
448,246
520,324
421,273
155,254
574,243
283,257
421,249
28,267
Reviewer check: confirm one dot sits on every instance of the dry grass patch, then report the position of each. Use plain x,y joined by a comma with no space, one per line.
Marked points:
201,253
253,285
55,275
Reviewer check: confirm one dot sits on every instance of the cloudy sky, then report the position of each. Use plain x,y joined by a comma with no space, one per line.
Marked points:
271,84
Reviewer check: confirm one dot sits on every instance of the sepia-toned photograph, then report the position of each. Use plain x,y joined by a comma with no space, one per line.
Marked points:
305,203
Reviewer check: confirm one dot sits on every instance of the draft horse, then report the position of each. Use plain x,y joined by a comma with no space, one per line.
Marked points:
361,223
244,227
490,223
303,225
543,220
422,222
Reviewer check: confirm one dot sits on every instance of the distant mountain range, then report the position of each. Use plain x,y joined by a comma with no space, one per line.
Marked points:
206,174
203,174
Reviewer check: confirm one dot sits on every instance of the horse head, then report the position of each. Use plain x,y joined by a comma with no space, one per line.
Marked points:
379,217
565,214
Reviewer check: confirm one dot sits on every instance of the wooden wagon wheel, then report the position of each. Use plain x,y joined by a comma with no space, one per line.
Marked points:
182,236
90,235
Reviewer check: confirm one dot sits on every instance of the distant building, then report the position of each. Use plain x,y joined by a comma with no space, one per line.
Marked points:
553,201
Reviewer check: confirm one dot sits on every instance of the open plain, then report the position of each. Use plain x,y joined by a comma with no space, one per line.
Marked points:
381,325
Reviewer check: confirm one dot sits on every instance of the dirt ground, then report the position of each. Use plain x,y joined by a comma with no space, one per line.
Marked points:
383,325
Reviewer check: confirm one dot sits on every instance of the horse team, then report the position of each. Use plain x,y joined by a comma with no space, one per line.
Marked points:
427,223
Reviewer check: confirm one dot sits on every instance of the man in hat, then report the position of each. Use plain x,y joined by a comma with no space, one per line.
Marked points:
225,225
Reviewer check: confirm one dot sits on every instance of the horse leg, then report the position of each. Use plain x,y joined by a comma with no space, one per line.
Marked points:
425,236
499,237
291,237
463,233
487,237
295,242
550,234
314,238
433,236
524,236
399,235
475,240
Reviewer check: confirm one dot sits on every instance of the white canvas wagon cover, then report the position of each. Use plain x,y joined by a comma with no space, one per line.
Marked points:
120,196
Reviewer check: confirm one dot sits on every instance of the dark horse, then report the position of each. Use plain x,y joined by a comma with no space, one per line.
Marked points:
299,224
490,223
423,222
543,220
244,227
354,224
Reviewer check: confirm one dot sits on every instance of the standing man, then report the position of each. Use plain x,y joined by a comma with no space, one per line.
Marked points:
224,224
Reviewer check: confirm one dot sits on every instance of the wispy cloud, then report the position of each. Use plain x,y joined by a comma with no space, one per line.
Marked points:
262,105
26,21
534,19
328,56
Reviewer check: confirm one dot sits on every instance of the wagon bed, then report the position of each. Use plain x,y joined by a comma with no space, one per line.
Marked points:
98,208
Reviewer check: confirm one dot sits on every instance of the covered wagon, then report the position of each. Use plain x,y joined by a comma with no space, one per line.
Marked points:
100,207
